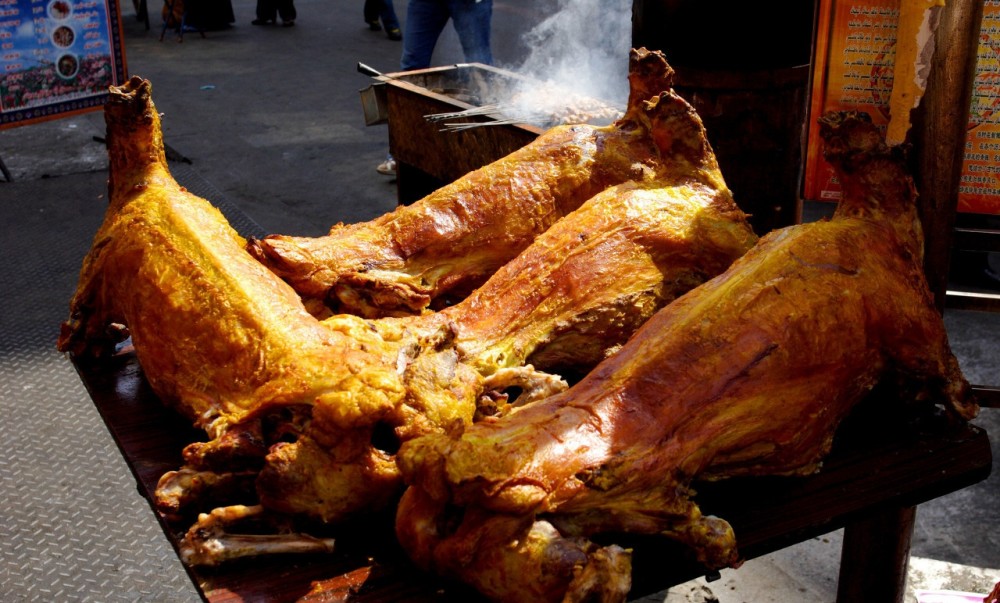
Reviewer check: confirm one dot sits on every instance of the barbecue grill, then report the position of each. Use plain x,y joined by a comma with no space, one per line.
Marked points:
445,122
753,121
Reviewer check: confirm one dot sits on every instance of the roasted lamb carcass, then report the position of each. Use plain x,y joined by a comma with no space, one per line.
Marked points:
435,251
748,374
218,336
215,332
305,404
560,304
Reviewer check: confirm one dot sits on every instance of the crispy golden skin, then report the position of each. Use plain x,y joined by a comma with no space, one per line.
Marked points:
216,333
562,304
435,251
314,410
747,374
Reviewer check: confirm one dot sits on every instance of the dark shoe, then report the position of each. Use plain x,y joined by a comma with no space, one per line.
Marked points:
374,26
394,34
262,22
288,23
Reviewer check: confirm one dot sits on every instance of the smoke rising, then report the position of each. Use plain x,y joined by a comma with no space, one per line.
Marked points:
582,46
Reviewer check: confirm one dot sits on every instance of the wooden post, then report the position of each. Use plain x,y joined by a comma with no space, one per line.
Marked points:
875,556
939,132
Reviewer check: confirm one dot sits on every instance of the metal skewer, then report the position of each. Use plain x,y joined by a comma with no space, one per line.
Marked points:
483,110
467,125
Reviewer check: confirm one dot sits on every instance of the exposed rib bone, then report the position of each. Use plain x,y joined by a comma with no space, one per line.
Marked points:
534,385
209,542
178,490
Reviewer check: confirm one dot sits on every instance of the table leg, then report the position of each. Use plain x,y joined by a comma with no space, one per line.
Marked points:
875,556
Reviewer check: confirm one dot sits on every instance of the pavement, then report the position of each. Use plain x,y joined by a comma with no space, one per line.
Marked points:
269,119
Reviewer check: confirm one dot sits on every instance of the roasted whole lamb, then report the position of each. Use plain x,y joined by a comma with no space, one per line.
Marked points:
748,374
435,251
310,413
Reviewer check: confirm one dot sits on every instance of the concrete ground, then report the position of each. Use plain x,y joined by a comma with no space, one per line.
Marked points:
270,119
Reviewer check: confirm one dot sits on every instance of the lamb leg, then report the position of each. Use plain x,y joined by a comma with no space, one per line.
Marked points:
214,331
511,558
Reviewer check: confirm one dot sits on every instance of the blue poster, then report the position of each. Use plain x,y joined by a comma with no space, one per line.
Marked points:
57,57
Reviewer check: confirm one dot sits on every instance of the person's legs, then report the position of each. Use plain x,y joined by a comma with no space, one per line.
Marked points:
472,22
389,19
286,9
266,12
425,20
371,12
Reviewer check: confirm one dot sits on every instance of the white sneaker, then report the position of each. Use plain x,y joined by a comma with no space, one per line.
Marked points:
387,167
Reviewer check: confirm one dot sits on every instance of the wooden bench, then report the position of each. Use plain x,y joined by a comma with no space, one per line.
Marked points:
870,485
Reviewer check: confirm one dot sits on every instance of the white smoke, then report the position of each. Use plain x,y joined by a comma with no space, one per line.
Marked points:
583,46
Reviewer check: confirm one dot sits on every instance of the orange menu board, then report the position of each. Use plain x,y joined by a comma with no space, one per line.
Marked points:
979,191
853,70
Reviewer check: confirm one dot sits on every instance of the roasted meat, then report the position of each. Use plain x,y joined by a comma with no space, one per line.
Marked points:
310,413
748,374
215,332
435,251
560,304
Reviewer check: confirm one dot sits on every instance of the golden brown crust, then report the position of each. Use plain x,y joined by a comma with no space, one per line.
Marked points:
437,250
748,374
320,407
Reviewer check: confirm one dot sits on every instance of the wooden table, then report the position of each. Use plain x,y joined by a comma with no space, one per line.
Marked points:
879,470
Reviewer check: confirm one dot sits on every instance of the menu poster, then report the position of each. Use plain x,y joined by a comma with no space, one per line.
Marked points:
979,189
853,70
57,57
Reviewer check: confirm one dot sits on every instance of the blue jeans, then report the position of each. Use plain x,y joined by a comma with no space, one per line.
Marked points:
384,9
425,20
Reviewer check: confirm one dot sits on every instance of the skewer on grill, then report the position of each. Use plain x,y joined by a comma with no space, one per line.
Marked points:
488,110
506,115
467,125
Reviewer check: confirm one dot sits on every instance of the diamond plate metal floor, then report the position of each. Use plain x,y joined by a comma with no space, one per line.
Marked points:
72,524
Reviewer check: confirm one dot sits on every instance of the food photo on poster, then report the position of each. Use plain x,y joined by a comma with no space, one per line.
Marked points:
57,57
